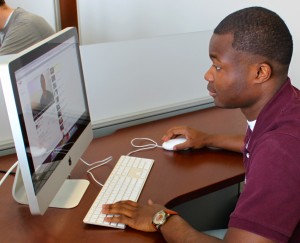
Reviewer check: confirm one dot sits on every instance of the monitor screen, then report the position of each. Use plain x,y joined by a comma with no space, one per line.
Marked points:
48,111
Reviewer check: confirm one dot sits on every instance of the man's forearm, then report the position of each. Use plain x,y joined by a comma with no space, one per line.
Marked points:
177,229
228,142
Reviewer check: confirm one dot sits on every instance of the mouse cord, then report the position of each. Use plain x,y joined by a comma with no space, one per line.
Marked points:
8,172
151,145
96,165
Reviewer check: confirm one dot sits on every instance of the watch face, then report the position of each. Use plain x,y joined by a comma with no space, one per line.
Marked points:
159,218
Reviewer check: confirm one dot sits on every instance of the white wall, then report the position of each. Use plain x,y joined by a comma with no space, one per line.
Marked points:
133,79
115,20
119,20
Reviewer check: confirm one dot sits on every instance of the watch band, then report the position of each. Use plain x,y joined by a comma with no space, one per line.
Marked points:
161,217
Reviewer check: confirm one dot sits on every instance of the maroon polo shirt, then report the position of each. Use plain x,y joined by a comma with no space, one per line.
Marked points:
270,202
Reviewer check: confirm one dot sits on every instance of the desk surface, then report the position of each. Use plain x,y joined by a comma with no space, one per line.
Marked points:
176,177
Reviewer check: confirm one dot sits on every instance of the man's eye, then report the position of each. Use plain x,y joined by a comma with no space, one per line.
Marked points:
216,67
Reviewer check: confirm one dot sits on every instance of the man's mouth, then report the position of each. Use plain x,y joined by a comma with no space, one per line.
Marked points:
211,91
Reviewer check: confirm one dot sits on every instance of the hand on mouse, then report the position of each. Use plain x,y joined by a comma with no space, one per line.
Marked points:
195,138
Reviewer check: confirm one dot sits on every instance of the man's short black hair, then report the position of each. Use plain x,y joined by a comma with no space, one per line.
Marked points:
259,31
2,2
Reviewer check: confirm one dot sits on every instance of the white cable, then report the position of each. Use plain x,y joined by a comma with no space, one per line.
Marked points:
99,163
8,172
89,171
145,146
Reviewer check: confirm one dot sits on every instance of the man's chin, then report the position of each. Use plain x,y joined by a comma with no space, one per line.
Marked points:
223,106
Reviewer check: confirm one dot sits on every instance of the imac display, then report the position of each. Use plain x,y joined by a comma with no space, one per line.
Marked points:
45,96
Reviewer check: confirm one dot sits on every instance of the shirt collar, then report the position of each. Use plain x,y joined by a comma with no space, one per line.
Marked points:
251,124
8,19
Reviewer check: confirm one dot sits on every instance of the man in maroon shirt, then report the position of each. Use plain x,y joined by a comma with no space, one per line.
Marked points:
251,50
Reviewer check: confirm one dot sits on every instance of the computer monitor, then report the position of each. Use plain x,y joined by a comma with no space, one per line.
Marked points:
46,100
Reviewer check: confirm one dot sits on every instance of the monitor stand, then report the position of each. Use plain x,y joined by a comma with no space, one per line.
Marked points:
68,196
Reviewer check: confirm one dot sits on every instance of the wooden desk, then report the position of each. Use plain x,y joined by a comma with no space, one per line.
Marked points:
176,177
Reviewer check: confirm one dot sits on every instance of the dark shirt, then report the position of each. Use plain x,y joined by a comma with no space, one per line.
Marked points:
270,202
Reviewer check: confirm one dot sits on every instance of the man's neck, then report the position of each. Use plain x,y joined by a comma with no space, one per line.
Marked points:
5,11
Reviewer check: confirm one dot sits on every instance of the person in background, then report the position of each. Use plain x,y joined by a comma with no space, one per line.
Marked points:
250,50
20,29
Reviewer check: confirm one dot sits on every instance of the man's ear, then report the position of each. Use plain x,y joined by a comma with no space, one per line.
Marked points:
263,72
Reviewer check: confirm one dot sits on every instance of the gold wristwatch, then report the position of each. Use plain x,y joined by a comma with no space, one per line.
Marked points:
161,217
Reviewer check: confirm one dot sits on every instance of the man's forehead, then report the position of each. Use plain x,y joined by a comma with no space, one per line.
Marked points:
222,50
225,39
220,43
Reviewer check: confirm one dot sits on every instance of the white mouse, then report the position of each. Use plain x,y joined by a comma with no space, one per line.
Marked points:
169,145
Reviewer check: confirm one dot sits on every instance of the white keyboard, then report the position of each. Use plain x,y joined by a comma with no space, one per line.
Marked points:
125,182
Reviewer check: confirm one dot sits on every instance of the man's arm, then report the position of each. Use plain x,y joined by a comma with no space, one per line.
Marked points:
176,229
197,139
